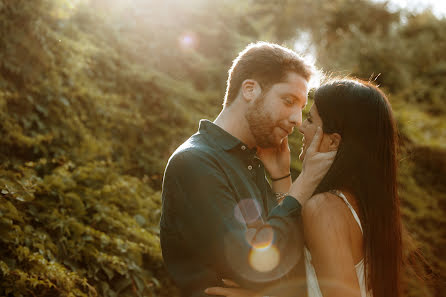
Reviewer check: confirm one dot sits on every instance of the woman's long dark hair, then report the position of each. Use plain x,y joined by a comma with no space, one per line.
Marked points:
366,166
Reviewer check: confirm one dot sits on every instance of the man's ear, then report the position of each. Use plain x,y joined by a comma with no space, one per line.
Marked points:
250,89
335,140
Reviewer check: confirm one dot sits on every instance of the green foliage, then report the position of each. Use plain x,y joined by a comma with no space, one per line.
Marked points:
78,228
96,95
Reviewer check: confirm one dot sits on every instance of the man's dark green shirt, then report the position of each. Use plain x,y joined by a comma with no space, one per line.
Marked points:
214,187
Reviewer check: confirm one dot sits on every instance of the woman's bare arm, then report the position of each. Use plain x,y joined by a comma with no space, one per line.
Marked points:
327,231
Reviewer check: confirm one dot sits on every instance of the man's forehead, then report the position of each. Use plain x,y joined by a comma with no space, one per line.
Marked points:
296,80
296,85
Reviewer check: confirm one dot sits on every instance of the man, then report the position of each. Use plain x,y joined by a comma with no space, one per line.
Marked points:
220,216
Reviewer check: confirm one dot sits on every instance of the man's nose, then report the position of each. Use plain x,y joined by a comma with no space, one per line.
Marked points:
296,117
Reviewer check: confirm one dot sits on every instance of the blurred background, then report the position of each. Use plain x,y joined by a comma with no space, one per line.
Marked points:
96,94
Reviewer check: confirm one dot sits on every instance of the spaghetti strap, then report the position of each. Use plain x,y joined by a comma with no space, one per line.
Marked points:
355,215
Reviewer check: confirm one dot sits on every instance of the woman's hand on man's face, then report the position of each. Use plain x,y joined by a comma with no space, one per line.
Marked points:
314,168
276,159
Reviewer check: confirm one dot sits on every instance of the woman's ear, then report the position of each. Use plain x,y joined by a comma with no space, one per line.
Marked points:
335,140
250,89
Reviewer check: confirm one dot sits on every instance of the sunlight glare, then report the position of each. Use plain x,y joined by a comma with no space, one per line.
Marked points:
188,41
305,47
64,9
263,239
438,7
247,211
264,259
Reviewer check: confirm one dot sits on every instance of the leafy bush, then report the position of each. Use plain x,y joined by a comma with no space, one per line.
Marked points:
96,95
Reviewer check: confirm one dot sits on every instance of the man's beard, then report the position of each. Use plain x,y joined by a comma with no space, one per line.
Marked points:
261,124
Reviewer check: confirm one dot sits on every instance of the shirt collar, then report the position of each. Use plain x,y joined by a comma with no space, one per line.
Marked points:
223,138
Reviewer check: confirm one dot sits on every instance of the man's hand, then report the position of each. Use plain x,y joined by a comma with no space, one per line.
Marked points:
277,159
230,292
314,168
233,291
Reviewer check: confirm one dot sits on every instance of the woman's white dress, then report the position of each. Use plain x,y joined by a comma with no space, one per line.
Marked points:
312,282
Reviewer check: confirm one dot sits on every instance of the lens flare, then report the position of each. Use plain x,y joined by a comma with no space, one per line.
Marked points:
188,40
264,259
247,211
260,238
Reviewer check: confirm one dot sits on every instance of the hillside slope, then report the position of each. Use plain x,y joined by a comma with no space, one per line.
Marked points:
95,97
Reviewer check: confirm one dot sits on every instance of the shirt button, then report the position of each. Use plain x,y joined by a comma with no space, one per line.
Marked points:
243,147
249,167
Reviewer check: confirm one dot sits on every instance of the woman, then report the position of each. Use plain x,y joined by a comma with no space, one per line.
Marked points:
352,223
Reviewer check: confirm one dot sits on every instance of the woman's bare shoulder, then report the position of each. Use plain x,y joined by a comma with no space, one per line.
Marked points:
325,210
323,203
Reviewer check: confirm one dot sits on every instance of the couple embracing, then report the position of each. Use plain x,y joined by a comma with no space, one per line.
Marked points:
226,230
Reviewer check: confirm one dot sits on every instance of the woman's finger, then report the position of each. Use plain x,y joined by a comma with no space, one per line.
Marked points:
230,283
316,142
284,145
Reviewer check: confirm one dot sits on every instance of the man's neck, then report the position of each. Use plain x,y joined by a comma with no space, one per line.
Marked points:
232,120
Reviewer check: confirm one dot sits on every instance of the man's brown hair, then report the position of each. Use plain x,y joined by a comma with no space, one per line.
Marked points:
268,64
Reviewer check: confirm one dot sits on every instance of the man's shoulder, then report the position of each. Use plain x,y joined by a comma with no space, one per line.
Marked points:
196,148
196,145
